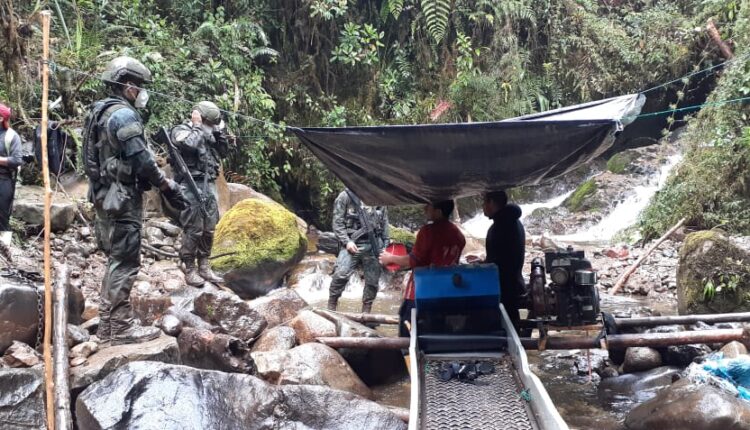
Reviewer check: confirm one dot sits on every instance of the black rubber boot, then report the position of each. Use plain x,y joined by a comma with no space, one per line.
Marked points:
366,307
192,277
135,333
333,303
204,269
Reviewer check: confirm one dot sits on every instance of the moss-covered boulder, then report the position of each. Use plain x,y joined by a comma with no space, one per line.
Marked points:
584,197
402,235
713,275
266,243
621,162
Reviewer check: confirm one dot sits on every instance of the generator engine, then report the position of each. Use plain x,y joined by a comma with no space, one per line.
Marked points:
570,298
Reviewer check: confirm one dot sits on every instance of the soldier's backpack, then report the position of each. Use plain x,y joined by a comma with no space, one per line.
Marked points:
91,145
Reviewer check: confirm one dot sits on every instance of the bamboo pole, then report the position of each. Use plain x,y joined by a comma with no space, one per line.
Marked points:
47,204
63,417
624,278
682,319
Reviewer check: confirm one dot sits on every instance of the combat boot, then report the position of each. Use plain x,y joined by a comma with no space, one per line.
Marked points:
104,331
366,307
134,333
206,272
192,277
333,303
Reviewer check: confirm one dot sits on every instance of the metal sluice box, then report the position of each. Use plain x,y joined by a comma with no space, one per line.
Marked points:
458,318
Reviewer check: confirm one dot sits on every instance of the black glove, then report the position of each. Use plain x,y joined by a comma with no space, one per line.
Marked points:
174,195
28,158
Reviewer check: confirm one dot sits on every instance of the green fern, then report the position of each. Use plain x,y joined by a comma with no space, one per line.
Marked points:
436,14
396,6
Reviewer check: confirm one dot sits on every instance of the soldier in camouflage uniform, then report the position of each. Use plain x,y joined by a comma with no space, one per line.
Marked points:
357,248
120,167
202,144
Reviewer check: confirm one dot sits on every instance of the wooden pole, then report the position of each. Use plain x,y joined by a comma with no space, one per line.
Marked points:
624,278
658,340
681,319
713,32
63,417
370,318
47,204
366,342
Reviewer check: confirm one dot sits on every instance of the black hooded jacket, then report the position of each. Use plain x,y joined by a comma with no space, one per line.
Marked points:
506,247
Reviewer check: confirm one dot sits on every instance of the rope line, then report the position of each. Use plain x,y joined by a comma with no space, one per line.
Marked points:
687,108
707,69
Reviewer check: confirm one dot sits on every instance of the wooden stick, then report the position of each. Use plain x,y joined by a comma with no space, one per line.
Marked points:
713,32
624,278
63,417
370,318
47,225
682,319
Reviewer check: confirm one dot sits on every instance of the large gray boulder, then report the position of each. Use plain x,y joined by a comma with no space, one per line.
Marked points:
638,359
685,406
278,306
230,313
636,387
279,338
309,364
157,396
28,206
163,349
22,399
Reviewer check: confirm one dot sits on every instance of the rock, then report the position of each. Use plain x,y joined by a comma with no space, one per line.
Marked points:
18,313
267,242
149,302
21,355
278,306
105,361
733,349
230,313
608,372
154,236
84,350
76,335
597,360
84,233
309,364
170,325
189,319
308,326
638,387
28,206
638,359
686,406
166,227
279,338
78,361
683,355
158,396
214,351
22,399
708,255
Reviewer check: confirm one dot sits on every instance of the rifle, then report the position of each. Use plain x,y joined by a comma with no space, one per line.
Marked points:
374,247
162,136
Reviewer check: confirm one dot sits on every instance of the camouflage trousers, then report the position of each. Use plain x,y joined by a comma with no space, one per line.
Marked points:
346,263
198,229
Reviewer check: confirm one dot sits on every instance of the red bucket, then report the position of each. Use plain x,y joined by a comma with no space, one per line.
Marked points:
395,249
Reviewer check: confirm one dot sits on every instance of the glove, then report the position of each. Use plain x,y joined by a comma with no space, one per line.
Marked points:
28,158
174,195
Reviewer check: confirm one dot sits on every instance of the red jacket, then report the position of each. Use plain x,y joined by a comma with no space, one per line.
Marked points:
438,244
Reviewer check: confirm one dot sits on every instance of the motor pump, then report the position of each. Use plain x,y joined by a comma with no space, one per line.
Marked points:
571,297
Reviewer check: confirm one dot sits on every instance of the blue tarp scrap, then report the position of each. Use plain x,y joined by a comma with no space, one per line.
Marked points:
734,370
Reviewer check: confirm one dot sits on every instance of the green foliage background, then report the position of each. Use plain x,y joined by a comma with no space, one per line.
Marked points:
358,62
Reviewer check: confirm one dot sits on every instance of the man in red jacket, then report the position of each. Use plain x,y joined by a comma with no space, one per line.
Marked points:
439,243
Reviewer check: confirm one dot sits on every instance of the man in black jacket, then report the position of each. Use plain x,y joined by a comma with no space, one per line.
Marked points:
506,247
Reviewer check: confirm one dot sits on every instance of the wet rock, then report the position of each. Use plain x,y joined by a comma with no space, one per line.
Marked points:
18,314
28,207
310,364
189,319
20,354
22,399
279,338
733,349
148,302
154,236
230,313
665,329
308,326
154,395
638,359
636,387
76,335
166,227
278,306
83,350
214,351
705,255
597,360
170,325
686,406
608,372
683,355
105,361
91,325
267,242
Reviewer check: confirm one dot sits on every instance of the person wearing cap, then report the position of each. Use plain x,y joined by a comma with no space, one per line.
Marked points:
10,160
120,167
439,243
202,144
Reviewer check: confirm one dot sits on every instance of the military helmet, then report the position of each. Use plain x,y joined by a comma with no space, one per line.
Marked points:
209,111
124,67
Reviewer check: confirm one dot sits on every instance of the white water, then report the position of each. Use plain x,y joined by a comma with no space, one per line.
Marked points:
626,213
313,287
478,225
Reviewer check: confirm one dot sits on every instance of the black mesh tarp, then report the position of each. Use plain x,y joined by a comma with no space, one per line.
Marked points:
393,165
